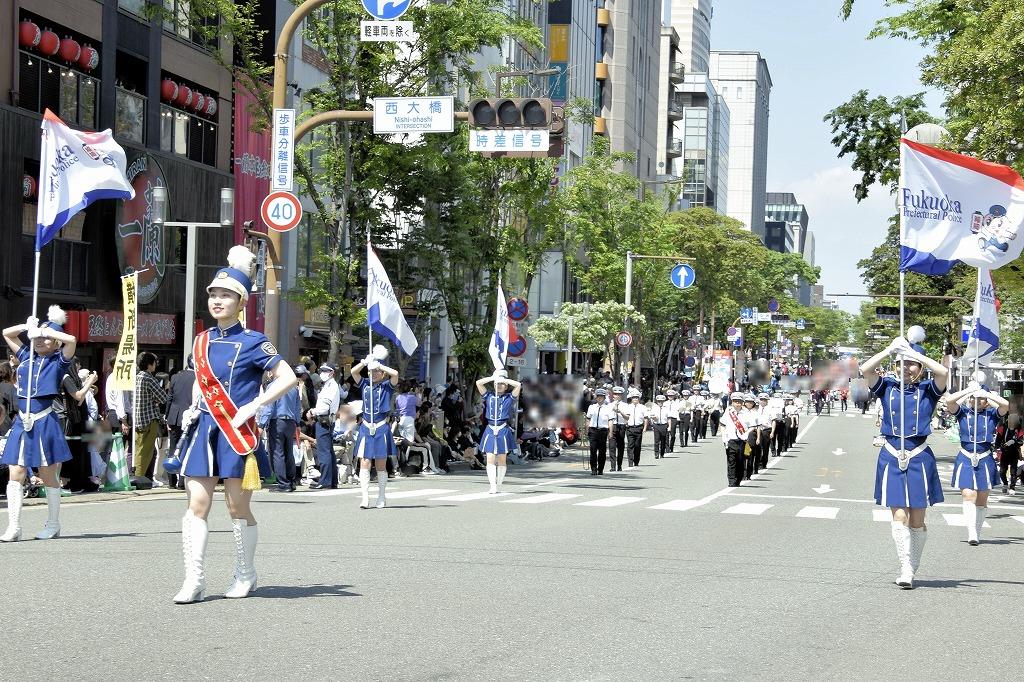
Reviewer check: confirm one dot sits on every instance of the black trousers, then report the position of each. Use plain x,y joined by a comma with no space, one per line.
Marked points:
684,429
792,432
672,433
598,448
781,436
281,439
704,417
715,414
634,436
660,439
766,446
1008,471
695,420
751,464
619,445
734,461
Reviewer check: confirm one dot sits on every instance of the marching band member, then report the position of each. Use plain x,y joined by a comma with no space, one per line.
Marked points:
36,439
766,423
599,416
673,417
974,472
685,409
696,417
792,414
618,429
230,362
498,438
734,437
636,424
906,477
374,440
713,408
660,416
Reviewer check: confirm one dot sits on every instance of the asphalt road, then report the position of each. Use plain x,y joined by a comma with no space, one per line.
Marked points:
653,574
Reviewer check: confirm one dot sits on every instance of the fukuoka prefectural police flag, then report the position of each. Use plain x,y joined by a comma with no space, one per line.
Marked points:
984,338
504,332
383,312
957,208
75,169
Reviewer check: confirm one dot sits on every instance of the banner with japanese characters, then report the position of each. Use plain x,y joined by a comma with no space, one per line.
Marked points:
124,361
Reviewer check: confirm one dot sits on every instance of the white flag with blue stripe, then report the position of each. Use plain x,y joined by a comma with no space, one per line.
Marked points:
984,337
504,332
956,208
383,312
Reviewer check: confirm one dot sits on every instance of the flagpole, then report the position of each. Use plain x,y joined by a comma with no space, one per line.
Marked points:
369,330
977,357
903,287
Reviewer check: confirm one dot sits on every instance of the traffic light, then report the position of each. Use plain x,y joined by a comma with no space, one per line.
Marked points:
887,312
519,114
508,112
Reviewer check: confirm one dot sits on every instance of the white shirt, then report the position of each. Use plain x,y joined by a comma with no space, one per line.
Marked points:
711,404
634,414
328,400
91,407
619,417
682,405
767,415
661,415
114,398
729,429
599,416
791,410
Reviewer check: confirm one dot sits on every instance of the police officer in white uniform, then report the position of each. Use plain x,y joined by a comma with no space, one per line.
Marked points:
617,432
660,416
636,424
599,417
684,408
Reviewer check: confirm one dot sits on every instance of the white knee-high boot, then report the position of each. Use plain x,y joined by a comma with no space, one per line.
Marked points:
981,513
364,485
14,500
51,528
492,478
901,536
918,536
970,520
194,534
382,485
502,468
245,537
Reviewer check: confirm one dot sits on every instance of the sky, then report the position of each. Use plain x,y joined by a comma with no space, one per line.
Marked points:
817,61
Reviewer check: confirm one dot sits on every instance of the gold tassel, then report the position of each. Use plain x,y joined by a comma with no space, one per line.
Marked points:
251,480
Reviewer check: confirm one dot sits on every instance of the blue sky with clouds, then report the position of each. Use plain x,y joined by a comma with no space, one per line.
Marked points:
817,61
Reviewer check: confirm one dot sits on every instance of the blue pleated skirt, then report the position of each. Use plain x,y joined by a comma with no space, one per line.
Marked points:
44,445
208,453
497,441
917,488
379,445
967,477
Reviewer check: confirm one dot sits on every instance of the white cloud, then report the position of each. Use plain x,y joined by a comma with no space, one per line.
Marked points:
844,231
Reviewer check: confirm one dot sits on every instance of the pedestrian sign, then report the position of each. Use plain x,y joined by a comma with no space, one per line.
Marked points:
413,114
623,339
683,276
281,211
800,323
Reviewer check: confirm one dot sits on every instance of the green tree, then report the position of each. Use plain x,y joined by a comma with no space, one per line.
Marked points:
594,326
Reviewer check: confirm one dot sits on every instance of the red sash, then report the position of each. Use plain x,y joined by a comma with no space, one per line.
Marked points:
740,429
243,441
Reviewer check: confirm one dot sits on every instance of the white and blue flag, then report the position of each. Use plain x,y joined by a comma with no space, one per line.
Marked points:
956,208
383,312
984,337
504,332
75,169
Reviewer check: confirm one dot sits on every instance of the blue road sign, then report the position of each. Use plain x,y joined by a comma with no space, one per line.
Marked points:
386,10
683,276
800,323
773,306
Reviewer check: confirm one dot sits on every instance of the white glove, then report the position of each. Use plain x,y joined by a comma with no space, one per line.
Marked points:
187,416
372,364
34,333
244,414
899,344
367,360
974,386
32,322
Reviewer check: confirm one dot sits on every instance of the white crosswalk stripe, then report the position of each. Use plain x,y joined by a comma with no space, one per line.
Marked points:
469,497
748,508
406,494
541,499
958,520
616,501
818,513
677,505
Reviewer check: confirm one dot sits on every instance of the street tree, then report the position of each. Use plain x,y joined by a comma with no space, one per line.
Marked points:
594,326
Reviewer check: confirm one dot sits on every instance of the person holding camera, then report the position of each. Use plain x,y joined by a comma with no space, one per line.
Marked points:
327,403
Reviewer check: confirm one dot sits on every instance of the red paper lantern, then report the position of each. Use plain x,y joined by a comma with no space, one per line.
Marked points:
49,43
168,90
28,187
28,34
90,58
70,50
184,97
198,102
211,105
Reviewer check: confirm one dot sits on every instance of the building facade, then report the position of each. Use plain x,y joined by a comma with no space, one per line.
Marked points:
787,231
102,64
743,80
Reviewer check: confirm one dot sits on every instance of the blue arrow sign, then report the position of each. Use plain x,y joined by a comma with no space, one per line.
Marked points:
386,10
683,276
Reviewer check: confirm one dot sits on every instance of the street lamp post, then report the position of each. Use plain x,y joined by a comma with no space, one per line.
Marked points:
630,257
227,219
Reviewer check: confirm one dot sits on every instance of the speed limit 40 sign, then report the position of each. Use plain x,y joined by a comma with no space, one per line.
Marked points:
281,211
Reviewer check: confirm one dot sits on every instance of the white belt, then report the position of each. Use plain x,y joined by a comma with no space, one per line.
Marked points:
975,457
496,428
373,426
904,461
28,419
